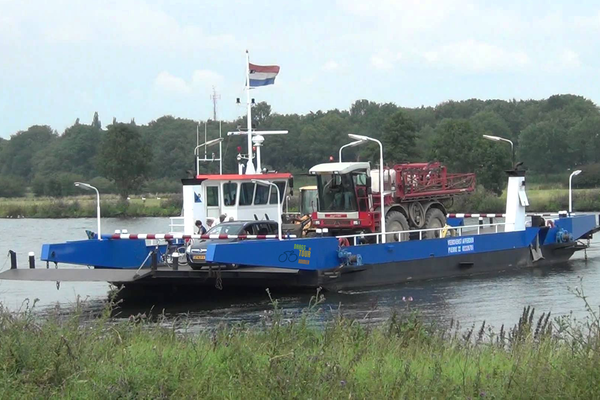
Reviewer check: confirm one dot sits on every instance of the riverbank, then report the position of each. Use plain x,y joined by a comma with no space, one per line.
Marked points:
402,358
85,206
169,205
540,200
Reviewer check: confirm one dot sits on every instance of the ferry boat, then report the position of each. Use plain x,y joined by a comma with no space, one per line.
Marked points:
358,259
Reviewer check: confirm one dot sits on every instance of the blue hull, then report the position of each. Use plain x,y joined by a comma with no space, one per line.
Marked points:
119,254
320,262
321,254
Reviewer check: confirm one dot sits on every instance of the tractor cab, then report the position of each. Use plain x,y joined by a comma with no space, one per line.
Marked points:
344,194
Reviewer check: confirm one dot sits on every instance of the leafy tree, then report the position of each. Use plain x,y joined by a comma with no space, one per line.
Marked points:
260,112
75,151
11,186
462,149
96,124
399,138
124,158
490,123
544,147
584,139
23,148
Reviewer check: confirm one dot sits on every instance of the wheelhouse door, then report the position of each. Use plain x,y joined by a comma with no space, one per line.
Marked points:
213,204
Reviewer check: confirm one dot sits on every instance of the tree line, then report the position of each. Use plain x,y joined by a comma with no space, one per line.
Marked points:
551,136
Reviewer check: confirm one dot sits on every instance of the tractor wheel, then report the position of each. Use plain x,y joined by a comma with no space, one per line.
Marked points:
396,221
434,219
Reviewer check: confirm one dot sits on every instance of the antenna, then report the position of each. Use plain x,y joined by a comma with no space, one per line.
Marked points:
215,97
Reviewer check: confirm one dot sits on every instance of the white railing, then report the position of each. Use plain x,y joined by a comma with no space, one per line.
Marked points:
480,229
176,225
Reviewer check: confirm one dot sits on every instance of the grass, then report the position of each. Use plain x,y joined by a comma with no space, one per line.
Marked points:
85,206
540,200
403,358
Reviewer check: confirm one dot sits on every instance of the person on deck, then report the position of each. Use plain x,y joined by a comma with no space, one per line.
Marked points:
201,228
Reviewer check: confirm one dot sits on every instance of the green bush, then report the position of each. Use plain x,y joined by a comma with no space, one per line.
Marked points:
11,186
164,185
57,185
589,178
103,185
480,201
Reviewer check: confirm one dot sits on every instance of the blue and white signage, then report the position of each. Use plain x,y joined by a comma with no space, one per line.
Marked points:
461,245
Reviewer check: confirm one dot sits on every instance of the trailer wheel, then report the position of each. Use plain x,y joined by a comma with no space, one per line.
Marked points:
396,221
416,213
434,219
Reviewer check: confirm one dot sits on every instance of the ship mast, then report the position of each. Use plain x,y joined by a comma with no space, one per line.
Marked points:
254,138
250,163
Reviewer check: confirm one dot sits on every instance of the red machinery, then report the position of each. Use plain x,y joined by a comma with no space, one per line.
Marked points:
414,195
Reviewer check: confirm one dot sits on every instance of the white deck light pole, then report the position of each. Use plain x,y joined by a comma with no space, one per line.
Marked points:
574,173
501,139
351,144
363,138
87,186
279,221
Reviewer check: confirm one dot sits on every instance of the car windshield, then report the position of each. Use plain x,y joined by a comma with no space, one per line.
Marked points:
226,229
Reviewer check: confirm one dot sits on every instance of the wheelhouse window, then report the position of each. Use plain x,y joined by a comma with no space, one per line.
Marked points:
336,193
262,194
212,196
229,193
246,193
281,186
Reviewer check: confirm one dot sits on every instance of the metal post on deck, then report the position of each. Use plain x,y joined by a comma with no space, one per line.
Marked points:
13,259
175,261
154,260
31,260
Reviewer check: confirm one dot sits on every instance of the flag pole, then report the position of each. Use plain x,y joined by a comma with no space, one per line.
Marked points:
250,164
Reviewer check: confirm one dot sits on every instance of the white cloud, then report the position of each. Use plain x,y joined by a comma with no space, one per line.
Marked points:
169,83
206,79
475,56
330,66
384,59
408,15
570,59
202,81
380,63
122,23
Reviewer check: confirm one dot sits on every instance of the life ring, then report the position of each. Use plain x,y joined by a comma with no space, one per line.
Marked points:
550,223
343,242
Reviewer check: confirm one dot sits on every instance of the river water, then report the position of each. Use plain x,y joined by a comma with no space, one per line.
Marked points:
497,299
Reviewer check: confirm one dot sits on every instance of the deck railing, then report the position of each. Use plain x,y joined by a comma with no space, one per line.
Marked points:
478,229
176,224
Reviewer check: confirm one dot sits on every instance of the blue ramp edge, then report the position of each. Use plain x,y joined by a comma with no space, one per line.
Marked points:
123,254
578,225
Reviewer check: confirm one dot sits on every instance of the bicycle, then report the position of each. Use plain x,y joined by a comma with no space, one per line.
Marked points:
289,255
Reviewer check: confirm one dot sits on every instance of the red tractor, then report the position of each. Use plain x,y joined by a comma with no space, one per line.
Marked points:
349,200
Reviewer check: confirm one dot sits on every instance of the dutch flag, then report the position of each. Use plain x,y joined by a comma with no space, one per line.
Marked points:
262,75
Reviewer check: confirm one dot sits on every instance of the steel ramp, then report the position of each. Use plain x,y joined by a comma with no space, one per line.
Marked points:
74,275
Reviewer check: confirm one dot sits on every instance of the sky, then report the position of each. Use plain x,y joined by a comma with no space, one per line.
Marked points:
65,59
